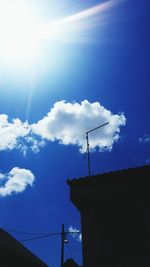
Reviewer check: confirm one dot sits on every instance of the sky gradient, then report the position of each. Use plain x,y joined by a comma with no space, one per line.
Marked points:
89,64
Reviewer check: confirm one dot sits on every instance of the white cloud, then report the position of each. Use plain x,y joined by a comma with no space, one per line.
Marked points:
75,233
1,176
68,122
18,135
11,133
15,181
31,142
145,139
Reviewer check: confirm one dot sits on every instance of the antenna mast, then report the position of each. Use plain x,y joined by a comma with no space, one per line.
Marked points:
88,145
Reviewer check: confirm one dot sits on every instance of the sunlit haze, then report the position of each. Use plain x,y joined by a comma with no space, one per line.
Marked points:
21,33
18,36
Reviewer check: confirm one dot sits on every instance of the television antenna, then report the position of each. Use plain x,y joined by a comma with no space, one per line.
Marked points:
88,145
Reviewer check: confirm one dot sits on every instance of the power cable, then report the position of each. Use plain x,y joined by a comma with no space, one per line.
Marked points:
39,237
46,235
22,232
33,233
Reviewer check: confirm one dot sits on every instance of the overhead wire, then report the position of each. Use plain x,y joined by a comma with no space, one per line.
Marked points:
39,237
46,235
22,232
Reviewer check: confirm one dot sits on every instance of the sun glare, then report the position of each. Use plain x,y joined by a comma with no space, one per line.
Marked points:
21,34
18,34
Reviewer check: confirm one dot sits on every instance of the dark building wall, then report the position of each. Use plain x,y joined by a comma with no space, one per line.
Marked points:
115,217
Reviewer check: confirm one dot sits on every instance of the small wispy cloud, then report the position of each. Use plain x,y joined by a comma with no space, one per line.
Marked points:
12,133
66,123
145,139
16,134
15,181
75,233
32,142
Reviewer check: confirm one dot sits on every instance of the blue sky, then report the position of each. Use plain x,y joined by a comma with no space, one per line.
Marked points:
99,64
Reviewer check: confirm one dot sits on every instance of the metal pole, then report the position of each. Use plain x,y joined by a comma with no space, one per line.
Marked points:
88,149
62,245
89,167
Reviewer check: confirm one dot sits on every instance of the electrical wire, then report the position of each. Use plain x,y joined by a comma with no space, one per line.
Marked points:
39,237
21,232
46,235
33,233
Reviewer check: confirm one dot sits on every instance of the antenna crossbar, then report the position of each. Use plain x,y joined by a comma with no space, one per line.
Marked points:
97,128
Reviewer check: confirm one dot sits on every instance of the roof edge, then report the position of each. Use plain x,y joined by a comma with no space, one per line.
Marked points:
85,178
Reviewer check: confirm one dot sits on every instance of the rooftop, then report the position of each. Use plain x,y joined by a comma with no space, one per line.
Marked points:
110,175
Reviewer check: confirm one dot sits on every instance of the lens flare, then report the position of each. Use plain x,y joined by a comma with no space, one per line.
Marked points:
71,28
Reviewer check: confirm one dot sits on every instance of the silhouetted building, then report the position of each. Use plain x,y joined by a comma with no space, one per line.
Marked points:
115,217
70,263
12,253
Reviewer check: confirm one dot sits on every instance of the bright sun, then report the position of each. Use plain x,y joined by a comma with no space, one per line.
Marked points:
18,34
21,34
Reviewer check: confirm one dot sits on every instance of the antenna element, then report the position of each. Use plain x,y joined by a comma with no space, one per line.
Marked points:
88,145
